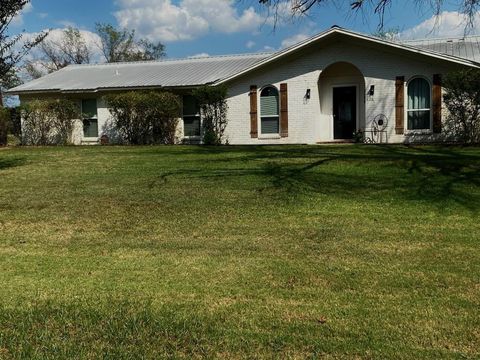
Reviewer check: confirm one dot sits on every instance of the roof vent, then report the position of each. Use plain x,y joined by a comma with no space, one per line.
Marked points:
117,72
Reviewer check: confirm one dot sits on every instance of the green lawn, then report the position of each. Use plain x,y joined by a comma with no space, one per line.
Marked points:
360,252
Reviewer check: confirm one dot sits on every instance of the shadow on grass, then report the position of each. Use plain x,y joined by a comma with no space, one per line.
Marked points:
432,174
11,163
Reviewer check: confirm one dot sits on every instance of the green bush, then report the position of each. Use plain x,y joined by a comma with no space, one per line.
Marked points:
213,109
462,99
4,116
145,117
15,122
49,122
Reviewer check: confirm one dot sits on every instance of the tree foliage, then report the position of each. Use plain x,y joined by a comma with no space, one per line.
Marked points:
462,99
378,7
12,47
145,117
49,122
70,48
213,110
120,45
10,124
4,117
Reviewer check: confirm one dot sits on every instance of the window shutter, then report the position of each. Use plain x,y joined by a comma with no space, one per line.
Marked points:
399,105
283,110
253,112
437,103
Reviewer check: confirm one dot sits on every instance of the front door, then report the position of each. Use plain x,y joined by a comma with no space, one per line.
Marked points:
344,112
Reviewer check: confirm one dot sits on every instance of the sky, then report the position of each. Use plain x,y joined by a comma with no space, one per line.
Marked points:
214,27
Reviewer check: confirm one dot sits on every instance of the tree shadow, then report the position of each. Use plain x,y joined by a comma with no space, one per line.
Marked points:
427,174
11,163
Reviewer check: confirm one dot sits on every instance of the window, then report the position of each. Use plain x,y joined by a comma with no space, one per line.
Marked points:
269,111
90,118
191,117
419,108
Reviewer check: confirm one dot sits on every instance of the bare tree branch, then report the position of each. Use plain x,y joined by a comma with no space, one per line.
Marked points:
378,7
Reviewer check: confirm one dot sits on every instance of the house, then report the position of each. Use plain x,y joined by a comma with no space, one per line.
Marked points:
323,89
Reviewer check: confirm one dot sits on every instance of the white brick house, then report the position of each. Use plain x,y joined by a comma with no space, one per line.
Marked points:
321,90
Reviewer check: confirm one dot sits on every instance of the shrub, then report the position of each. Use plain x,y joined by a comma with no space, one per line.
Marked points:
462,99
213,109
4,114
145,117
49,122
15,122
10,126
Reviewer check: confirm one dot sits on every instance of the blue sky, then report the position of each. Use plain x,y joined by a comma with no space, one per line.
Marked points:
192,27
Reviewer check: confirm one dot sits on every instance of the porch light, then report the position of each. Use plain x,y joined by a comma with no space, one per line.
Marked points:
371,92
307,95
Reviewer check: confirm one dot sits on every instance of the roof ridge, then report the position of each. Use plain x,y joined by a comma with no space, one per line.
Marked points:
259,54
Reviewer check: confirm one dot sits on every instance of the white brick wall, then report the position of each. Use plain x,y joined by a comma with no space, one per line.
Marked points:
302,71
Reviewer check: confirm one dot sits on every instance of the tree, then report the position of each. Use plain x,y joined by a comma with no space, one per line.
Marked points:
145,117
12,48
120,45
9,80
378,7
462,99
213,108
390,34
71,48
49,122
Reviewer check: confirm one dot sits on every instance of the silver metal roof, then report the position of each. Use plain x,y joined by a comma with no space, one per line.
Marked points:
466,47
163,73
199,71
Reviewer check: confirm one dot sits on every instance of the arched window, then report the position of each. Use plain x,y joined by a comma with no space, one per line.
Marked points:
269,111
419,104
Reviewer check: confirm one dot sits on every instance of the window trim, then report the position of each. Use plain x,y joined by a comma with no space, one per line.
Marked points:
89,138
268,136
199,115
407,110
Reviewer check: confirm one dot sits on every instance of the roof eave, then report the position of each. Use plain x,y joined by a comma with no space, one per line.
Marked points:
14,92
103,89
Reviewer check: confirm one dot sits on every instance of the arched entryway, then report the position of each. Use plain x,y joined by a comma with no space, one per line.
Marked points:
342,101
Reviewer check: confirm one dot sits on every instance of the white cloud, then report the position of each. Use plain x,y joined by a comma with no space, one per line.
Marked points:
167,21
18,20
447,24
42,15
250,44
201,55
292,40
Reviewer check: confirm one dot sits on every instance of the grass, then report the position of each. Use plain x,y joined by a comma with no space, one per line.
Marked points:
361,252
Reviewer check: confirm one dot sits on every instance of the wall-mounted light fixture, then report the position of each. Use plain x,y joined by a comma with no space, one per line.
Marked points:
371,92
307,95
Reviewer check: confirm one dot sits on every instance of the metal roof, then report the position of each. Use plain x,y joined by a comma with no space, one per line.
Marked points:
467,47
214,70
148,74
